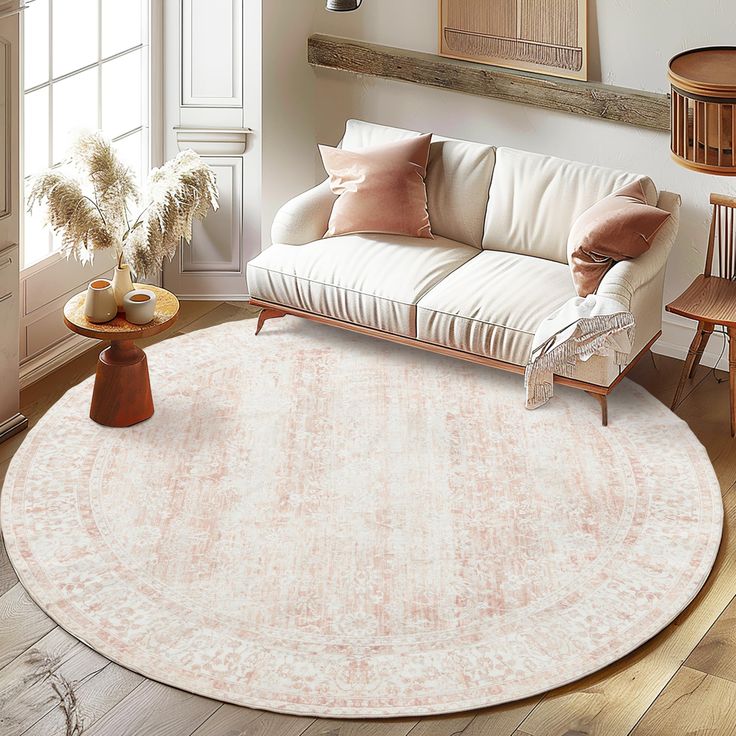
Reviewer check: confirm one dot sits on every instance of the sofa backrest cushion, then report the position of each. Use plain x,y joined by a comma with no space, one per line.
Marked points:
458,178
535,199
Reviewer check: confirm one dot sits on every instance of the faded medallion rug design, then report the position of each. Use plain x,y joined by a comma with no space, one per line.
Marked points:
316,522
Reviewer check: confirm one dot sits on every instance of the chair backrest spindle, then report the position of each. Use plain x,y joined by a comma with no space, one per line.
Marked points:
722,237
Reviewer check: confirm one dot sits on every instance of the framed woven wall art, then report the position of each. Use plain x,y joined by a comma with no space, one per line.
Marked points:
545,36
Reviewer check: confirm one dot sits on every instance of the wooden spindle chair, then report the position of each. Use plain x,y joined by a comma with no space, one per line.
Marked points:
711,299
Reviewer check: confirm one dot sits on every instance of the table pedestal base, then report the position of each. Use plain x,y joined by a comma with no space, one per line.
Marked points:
122,393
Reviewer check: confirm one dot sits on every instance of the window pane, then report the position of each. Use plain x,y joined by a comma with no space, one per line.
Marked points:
36,131
75,110
133,152
122,24
75,35
111,96
36,46
36,237
121,94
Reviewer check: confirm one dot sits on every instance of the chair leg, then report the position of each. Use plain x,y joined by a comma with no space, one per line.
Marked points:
689,363
705,332
268,314
602,399
732,376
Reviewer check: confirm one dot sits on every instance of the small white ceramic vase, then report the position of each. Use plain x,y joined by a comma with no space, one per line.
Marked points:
140,306
99,304
122,284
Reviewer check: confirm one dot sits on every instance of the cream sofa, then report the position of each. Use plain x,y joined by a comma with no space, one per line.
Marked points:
496,268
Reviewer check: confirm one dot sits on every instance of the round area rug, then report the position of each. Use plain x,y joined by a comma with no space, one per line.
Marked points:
316,522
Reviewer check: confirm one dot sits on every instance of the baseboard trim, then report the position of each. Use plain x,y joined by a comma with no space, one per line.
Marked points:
710,356
12,426
41,365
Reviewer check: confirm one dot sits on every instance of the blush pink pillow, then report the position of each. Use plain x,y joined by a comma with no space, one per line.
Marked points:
618,227
381,189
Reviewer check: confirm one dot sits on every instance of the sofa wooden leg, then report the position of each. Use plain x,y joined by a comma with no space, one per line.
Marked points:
268,314
602,399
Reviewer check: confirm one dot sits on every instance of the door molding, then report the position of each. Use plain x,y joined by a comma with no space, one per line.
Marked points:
206,70
204,94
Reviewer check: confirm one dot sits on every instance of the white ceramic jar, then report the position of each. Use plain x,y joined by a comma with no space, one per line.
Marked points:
99,304
122,284
140,306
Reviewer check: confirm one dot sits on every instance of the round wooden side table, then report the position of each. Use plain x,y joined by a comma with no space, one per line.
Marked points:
122,393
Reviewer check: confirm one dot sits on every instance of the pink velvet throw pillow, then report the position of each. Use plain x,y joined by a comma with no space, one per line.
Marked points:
618,227
381,189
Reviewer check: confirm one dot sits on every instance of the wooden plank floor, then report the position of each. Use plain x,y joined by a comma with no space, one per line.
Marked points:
681,682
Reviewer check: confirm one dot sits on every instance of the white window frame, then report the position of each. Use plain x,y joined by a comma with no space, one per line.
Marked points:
47,280
155,103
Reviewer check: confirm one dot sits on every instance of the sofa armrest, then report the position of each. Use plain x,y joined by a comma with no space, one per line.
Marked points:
625,278
304,219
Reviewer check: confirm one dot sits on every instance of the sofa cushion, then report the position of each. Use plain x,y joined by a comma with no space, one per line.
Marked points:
535,199
493,304
381,189
619,227
458,178
374,281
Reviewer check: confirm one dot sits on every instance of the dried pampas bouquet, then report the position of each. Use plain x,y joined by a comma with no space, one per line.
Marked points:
96,214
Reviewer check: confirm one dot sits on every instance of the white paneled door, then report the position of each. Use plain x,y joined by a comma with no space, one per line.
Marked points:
204,111
11,421
88,65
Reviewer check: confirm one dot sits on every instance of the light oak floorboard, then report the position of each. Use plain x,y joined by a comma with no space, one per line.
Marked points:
94,696
254,311
637,690
190,311
385,727
230,720
153,709
503,719
443,725
44,678
693,704
22,623
716,653
224,313
8,578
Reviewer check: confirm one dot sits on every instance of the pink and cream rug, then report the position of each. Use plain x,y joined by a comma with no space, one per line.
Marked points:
315,522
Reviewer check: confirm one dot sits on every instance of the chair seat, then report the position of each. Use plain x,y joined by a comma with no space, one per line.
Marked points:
493,304
370,280
708,299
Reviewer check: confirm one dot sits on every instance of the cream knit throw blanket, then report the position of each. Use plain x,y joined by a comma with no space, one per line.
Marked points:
579,329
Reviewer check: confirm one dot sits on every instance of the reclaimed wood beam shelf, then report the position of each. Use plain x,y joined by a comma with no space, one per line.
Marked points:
591,99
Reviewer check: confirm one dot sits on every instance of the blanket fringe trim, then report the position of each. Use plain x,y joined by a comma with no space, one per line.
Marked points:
591,337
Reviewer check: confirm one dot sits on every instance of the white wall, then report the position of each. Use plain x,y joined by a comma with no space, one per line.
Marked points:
279,105
631,42
288,124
